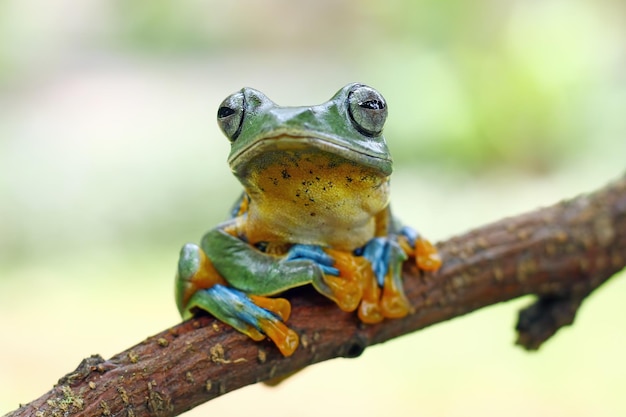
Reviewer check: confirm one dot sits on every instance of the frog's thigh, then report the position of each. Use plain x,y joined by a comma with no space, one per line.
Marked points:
253,271
195,272
269,276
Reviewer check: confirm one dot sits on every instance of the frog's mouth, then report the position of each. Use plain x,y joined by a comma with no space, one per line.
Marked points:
278,149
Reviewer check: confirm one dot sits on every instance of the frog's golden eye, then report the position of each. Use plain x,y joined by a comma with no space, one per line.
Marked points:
367,109
230,115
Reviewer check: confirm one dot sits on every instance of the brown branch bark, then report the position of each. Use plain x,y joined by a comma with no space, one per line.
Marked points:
560,253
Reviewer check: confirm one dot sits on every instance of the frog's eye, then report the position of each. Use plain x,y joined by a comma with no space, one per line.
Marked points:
230,115
367,109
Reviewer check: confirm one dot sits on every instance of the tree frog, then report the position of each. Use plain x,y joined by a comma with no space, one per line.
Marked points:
315,210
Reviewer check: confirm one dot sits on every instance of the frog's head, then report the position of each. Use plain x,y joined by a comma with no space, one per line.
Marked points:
348,126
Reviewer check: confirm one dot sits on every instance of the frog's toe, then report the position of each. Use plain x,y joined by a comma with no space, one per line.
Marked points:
346,289
370,312
393,302
285,339
369,309
345,294
426,255
242,312
278,306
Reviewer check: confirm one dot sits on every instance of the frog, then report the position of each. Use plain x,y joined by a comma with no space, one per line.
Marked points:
315,210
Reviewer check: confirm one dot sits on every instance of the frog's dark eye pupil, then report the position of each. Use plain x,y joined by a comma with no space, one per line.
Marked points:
373,104
230,115
225,112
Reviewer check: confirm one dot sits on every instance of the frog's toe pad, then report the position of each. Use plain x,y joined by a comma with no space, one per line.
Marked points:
395,306
370,312
393,303
426,255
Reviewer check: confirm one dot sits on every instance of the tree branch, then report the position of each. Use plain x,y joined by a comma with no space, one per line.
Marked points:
559,253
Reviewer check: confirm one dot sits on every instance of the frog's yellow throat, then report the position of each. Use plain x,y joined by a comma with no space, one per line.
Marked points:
304,194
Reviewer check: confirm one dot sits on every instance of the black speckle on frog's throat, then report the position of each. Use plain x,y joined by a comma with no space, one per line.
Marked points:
311,178
317,195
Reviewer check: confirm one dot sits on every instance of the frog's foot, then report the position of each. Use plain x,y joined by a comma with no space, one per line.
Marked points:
252,315
426,256
385,256
338,280
195,272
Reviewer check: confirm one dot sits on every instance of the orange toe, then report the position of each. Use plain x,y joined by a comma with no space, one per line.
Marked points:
369,309
347,288
394,303
278,306
285,339
427,257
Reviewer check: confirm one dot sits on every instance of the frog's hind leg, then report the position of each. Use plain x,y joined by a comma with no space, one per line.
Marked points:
200,286
253,316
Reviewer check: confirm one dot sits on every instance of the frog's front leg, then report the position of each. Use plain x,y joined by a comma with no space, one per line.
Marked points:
200,286
383,295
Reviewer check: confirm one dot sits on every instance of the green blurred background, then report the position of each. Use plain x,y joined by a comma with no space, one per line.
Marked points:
110,160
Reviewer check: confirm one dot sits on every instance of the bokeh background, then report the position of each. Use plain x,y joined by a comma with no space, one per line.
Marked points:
110,160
